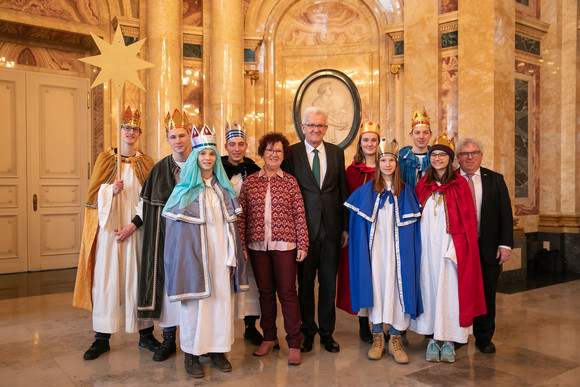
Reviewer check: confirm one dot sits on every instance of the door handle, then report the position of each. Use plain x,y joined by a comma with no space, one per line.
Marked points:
34,202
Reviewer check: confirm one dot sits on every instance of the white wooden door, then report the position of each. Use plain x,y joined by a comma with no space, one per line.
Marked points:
57,161
13,221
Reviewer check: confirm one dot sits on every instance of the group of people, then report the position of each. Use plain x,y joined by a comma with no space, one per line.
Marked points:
197,239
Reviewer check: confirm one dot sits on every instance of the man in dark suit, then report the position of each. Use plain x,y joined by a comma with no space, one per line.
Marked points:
318,167
495,230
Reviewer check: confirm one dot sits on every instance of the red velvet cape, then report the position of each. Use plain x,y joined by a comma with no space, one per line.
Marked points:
462,225
357,174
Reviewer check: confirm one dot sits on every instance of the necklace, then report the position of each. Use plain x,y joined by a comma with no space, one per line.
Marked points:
437,202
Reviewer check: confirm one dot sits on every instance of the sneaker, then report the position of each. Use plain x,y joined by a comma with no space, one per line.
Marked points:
433,352
98,347
447,352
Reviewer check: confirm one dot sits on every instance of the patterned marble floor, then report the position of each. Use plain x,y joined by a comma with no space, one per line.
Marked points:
43,339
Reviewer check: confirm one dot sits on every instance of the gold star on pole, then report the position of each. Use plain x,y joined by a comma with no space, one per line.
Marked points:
118,62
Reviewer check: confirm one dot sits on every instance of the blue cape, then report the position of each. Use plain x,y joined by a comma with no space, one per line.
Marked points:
364,205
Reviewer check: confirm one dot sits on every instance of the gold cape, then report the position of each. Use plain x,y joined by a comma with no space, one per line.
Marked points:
103,173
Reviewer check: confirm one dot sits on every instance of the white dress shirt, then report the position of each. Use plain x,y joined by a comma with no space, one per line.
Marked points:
321,157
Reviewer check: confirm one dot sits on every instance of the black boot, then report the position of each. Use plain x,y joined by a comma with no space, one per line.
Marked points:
193,366
98,347
147,340
251,333
167,348
219,360
364,330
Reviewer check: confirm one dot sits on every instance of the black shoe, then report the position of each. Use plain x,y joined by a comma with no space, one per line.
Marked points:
364,331
253,336
193,367
149,341
98,347
167,348
485,347
329,344
219,360
307,342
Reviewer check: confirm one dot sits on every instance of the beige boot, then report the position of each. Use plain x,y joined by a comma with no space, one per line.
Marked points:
397,351
378,347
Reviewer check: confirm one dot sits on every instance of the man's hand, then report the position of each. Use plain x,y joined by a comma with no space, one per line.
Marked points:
344,239
503,254
301,255
125,232
232,271
118,186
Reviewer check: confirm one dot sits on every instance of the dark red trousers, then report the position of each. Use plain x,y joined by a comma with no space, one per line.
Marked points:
275,272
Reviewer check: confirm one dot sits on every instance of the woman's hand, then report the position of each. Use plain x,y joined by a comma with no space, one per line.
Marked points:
232,271
245,256
118,186
301,255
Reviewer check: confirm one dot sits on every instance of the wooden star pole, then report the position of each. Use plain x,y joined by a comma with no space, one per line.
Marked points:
118,63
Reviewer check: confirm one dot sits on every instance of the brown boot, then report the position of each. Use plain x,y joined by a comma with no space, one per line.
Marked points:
266,347
294,357
378,347
396,350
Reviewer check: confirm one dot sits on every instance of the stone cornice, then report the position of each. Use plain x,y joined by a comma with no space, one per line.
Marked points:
559,223
531,27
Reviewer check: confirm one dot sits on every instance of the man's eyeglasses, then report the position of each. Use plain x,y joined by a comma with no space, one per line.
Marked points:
467,154
317,126
440,156
131,129
277,152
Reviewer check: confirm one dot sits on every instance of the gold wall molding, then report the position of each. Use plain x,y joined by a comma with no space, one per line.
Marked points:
395,31
559,223
531,27
448,27
129,26
192,39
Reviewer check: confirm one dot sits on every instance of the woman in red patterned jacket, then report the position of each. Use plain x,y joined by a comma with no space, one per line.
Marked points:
274,233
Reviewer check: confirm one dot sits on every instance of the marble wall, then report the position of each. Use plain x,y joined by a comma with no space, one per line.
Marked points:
192,13
81,11
449,6
327,35
449,94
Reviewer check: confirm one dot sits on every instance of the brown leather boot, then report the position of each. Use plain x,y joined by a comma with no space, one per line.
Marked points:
378,347
396,350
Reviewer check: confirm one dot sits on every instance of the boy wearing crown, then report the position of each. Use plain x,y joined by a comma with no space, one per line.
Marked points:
385,253
204,259
238,167
110,253
153,302
413,159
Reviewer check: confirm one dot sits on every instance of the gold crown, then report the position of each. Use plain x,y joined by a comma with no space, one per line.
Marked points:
131,118
370,127
177,121
420,119
444,140
390,148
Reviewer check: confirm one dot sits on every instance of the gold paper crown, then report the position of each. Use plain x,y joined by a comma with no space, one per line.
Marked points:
388,148
131,118
177,121
202,138
370,127
444,140
420,119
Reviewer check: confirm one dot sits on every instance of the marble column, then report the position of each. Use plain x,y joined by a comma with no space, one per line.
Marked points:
164,81
226,63
421,78
486,81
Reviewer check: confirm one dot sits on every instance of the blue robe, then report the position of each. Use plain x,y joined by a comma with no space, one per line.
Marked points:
364,205
408,164
186,256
